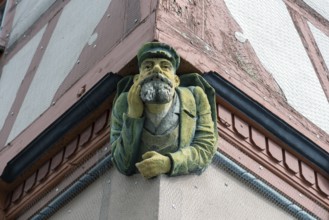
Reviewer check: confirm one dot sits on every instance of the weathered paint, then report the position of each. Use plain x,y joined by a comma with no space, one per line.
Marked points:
320,6
24,87
99,44
236,62
272,34
322,41
13,73
79,19
302,25
27,12
114,61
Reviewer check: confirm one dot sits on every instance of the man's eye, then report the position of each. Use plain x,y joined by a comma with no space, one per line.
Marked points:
147,67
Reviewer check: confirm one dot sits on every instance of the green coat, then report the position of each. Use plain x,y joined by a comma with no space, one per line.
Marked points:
197,135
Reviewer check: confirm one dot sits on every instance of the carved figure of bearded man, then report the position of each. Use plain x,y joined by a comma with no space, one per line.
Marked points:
158,127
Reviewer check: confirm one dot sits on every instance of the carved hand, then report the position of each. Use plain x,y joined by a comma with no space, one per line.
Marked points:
135,104
153,164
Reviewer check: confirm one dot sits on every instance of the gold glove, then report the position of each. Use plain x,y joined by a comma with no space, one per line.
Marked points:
153,164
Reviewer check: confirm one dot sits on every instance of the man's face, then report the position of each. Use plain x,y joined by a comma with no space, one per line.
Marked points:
158,80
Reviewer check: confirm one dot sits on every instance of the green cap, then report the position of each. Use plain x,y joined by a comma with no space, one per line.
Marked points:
158,50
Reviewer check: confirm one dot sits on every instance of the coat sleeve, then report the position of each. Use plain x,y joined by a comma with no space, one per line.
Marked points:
125,136
196,157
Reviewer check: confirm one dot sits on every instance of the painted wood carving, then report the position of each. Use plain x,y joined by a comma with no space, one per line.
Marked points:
163,124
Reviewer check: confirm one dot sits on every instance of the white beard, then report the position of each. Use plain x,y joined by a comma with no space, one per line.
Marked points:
156,91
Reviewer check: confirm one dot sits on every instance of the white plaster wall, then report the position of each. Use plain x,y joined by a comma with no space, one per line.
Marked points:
322,41
27,12
13,74
87,205
271,32
75,26
213,195
321,6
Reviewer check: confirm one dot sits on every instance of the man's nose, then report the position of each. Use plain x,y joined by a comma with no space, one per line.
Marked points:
157,69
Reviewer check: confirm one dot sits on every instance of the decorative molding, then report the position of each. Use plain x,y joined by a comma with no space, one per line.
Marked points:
87,105
273,125
272,155
234,126
54,170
